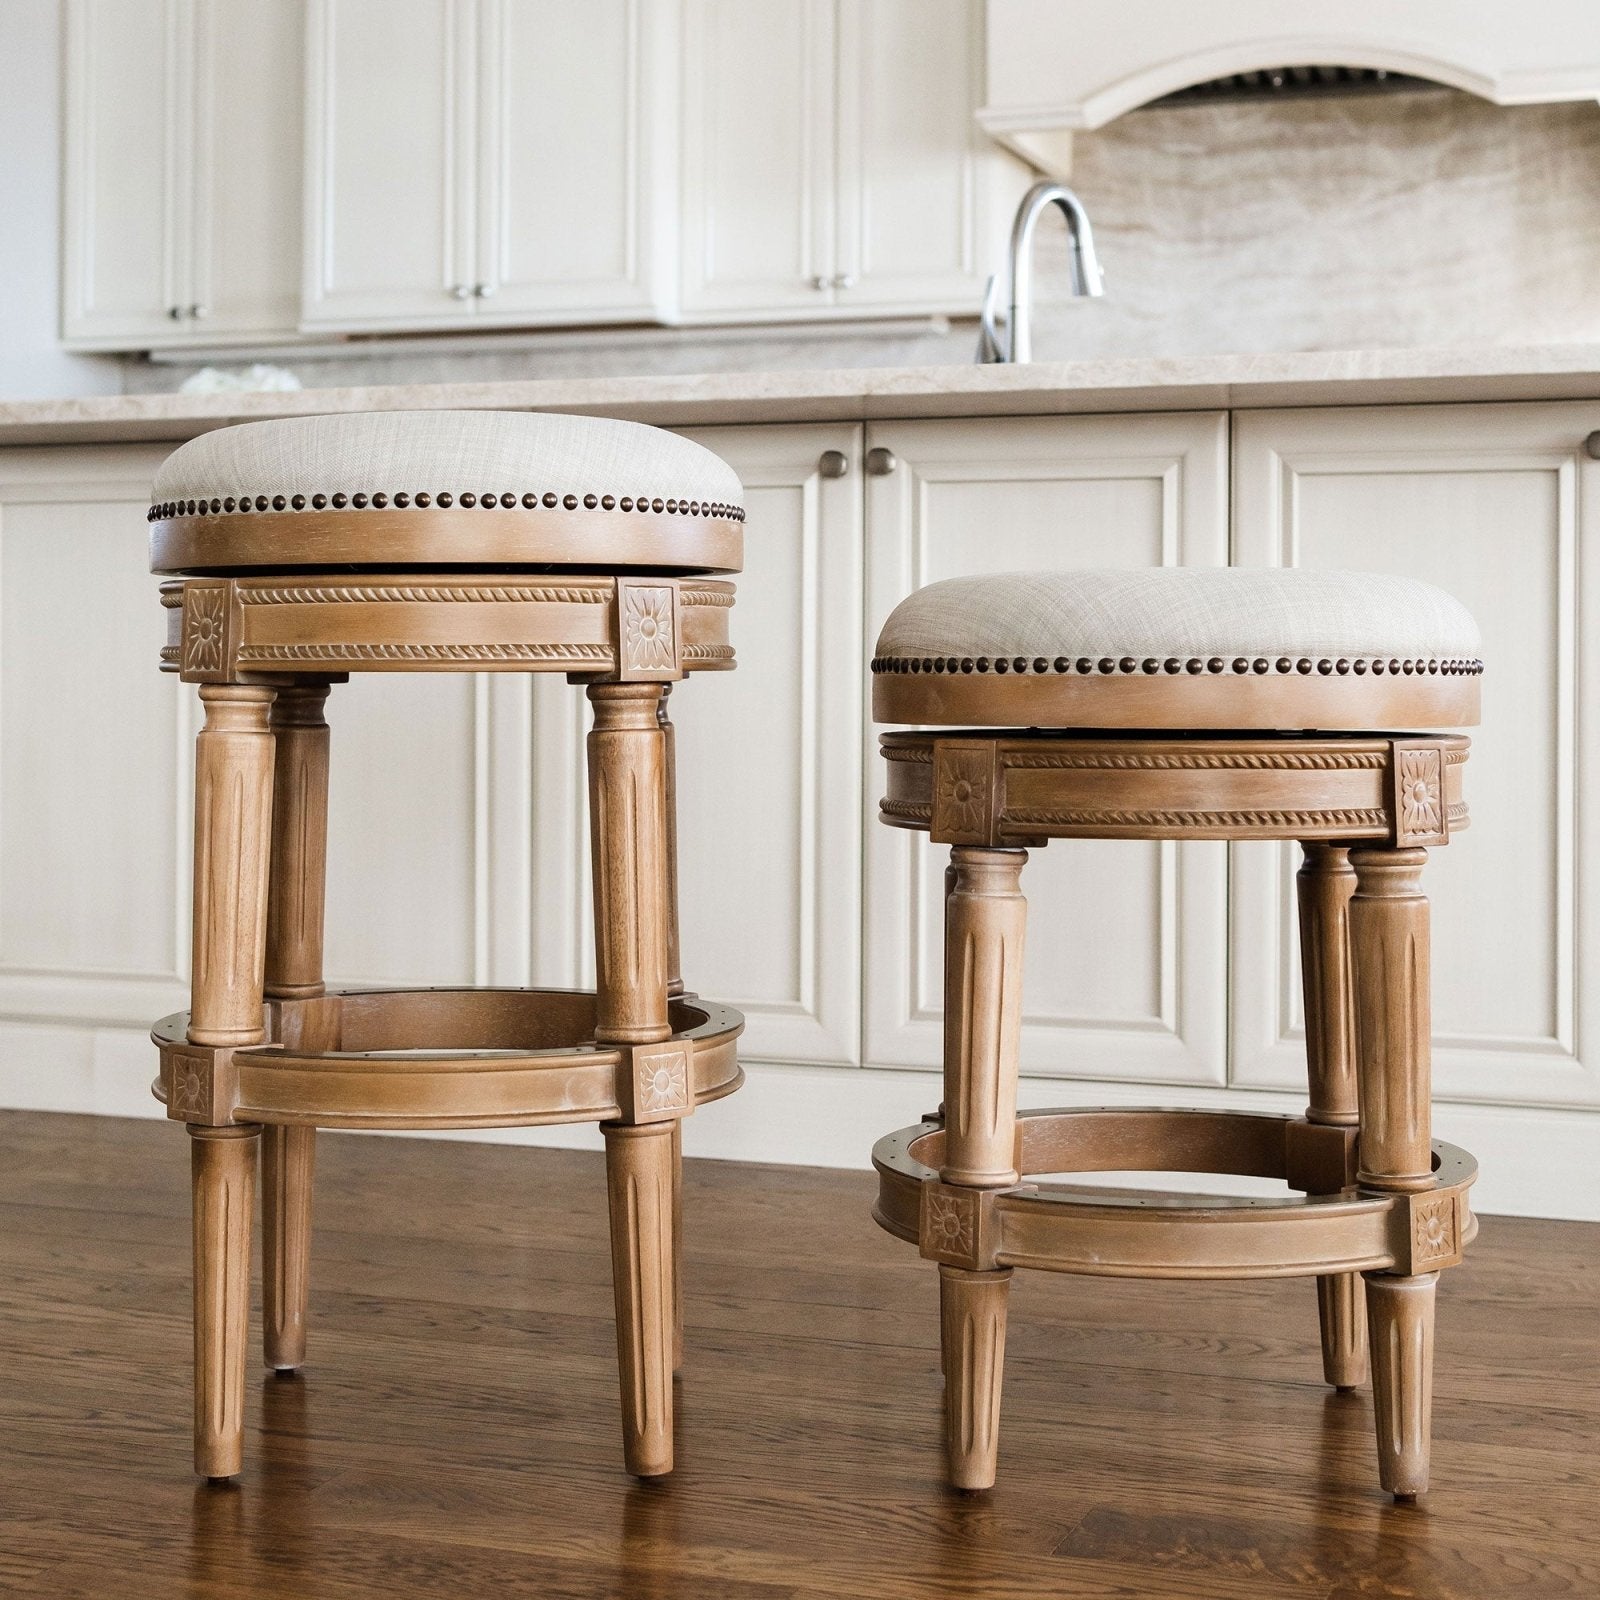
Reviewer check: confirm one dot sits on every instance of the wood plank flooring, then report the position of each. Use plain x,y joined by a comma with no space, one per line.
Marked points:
455,1432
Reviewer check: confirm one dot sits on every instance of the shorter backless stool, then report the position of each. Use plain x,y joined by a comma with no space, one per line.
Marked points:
311,548
1181,704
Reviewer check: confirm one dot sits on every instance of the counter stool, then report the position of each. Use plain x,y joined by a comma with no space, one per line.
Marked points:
1180,704
315,547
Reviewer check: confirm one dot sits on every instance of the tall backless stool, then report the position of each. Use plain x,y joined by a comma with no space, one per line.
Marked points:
1181,704
311,548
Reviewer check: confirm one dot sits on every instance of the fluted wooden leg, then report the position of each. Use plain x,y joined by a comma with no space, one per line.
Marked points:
677,1245
1400,1312
295,899
632,915
985,921
288,1158
669,752
1325,882
1389,959
639,1182
232,819
972,1343
223,1162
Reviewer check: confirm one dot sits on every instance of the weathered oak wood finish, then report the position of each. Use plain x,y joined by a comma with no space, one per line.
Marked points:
232,843
264,1046
296,898
224,1172
985,921
958,1186
1325,883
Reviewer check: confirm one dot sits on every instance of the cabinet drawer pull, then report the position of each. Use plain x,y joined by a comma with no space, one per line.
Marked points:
833,463
881,462
483,290
1592,444
845,280
822,281
175,312
462,291
199,311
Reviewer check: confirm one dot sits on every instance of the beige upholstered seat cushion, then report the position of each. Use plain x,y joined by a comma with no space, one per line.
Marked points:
1181,648
1187,614
450,453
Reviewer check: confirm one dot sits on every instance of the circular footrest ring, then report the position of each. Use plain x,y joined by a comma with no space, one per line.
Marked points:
1155,1234
447,1058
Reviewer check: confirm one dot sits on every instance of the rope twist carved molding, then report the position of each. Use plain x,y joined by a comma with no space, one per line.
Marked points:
919,752
256,654
708,652
706,597
1361,818
909,809
330,594
1203,761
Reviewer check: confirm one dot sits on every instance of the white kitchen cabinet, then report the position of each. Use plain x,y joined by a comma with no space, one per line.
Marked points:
485,163
769,768
1500,505
97,742
1125,952
181,211
831,163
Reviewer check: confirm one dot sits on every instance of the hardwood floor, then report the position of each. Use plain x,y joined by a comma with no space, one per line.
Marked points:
455,1430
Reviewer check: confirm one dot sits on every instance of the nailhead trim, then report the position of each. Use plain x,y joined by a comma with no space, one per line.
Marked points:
1108,666
229,505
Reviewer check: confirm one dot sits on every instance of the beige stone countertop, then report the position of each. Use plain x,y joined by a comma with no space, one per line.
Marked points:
1194,383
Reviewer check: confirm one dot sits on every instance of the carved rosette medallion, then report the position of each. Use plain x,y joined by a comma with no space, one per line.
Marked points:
1419,803
647,632
948,1228
1433,1232
660,1083
205,632
189,1088
963,794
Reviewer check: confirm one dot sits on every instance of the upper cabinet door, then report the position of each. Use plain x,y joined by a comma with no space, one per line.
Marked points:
389,186
574,133
922,194
758,158
125,279
249,77
182,172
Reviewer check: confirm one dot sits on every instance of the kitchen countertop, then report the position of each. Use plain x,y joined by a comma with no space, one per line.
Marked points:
1192,383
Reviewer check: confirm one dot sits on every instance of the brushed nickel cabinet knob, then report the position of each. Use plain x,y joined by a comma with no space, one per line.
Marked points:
1591,445
881,462
462,291
833,463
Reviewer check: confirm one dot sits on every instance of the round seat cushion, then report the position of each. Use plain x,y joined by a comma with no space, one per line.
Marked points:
395,489
1191,647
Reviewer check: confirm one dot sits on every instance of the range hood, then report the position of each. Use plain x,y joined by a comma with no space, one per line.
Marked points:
1055,69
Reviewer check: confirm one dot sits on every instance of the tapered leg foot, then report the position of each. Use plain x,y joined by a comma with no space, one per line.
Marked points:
1400,1313
639,1184
972,1328
1342,1311
288,1157
223,1161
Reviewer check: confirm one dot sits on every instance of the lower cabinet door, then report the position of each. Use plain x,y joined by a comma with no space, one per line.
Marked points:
769,767
1124,975
1497,504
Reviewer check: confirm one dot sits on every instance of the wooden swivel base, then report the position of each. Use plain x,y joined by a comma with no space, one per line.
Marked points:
433,1058
1331,1229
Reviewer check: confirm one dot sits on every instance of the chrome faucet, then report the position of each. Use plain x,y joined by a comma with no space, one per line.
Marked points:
1014,342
